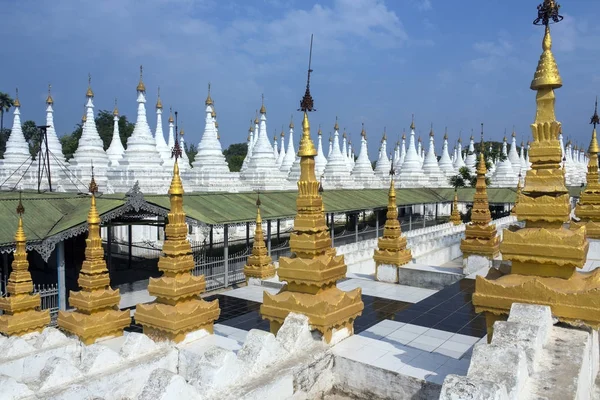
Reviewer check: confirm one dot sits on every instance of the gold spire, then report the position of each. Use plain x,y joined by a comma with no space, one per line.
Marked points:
209,100
256,118
178,308
171,120
344,135
115,110
259,264
546,74
336,127
96,312
213,113
17,103
49,99
263,110
446,134
292,122
20,305
159,105
319,131
455,216
307,147
391,249
89,92
84,116
251,129
431,131
141,87
412,124
384,138
362,132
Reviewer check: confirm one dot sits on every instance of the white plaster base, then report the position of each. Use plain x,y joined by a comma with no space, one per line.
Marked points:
474,263
428,276
254,282
594,250
387,273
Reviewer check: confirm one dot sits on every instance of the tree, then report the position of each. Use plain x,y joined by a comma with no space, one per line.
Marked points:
191,151
105,125
465,179
6,102
235,155
4,134
32,137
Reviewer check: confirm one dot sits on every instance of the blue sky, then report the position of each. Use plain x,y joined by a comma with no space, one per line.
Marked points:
452,63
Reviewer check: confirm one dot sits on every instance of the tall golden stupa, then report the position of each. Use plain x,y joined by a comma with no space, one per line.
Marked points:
312,272
480,236
455,216
178,308
588,208
21,308
96,313
259,264
544,254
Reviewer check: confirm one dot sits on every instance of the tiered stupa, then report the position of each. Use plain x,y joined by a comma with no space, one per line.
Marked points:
480,245
184,164
459,162
504,175
16,156
290,153
362,173
445,162
96,314
471,158
455,216
142,162
169,163
382,168
312,273
282,153
398,165
259,265
513,154
588,208
411,173
320,159
336,173
159,138
57,158
391,252
178,308
544,254
116,150
431,167
210,167
523,160
249,148
21,314
275,151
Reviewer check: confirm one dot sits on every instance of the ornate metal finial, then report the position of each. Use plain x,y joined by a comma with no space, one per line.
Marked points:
595,120
17,103
141,87
258,203
412,124
209,100
263,110
89,92
170,114
482,132
176,150
292,121
93,188
336,127
49,99
20,208
115,110
446,133
392,171
548,13
431,131
256,117
362,132
158,101
321,184
307,103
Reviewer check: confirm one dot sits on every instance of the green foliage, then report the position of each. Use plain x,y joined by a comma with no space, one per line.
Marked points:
32,137
4,134
191,151
105,126
6,102
494,154
235,155
465,179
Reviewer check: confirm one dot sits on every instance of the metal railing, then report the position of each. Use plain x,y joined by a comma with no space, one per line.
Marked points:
48,299
218,273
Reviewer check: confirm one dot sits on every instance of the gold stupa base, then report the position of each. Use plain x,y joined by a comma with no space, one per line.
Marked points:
327,310
592,228
24,322
322,270
390,257
575,301
89,301
16,303
259,271
174,322
489,248
94,326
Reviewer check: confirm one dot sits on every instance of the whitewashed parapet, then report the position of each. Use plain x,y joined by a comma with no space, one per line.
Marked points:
529,358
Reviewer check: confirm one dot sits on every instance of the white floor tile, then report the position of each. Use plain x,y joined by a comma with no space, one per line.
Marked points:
414,329
380,331
366,354
436,333
389,361
457,337
414,372
391,324
450,353
427,340
402,336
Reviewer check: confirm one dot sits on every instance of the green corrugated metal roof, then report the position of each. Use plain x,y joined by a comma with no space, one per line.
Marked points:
48,214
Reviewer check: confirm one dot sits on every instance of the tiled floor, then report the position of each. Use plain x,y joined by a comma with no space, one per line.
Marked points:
391,291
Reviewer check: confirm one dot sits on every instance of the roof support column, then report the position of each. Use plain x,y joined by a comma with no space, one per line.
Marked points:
225,251
410,218
60,269
356,227
376,212
278,230
247,234
424,214
269,237
210,238
332,228
129,246
109,235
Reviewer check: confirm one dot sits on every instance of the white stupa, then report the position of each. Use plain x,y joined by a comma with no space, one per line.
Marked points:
471,159
262,172
445,162
571,171
459,162
275,151
330,146
398,164
504,175
184,163
345,152
57,158
431,167
169,163
582,163
116,150
320,159
159,138
281,155
16,156
336,174
523,160
290,153
411,174
249,148
513,155
362,173
420,152
383,166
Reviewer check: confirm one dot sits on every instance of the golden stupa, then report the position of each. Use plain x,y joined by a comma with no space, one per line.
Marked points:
544,254
519,189
480,236
178,308
455,216
259,264
21,308
96,313
392,245
588,208
313,270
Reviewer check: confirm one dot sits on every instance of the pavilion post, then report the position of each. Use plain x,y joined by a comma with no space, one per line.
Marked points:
60,268
278,230
4,276
210,238
332,228
247,234
410,218
376,212
129,243
269,237
356,227
109,234
423,215
225,252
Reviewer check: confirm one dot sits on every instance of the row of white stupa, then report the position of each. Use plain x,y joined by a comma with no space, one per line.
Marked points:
147,159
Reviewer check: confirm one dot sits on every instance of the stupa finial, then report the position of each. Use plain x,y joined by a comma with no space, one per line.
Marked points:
49,99
90,92
159,105
263,109
141,87
209,100
412,124
115,110
307,103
